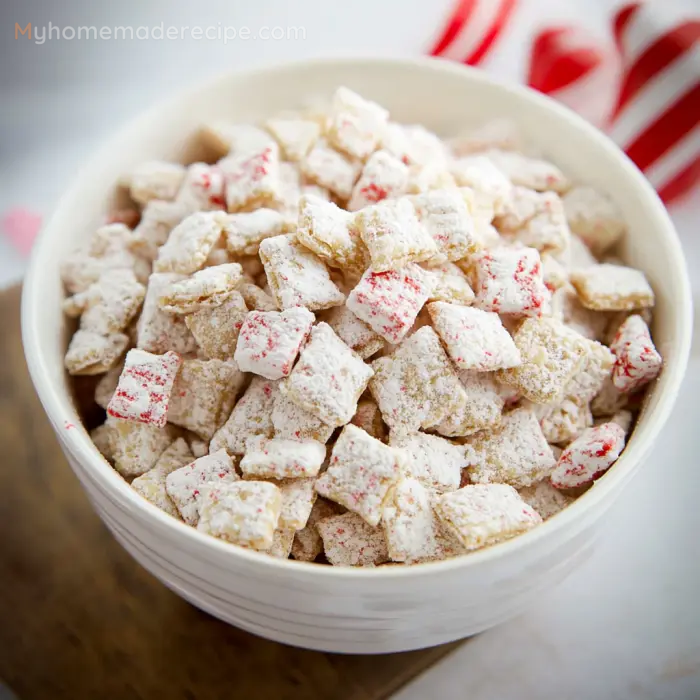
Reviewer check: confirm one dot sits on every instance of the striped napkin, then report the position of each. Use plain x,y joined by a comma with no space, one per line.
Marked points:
642,87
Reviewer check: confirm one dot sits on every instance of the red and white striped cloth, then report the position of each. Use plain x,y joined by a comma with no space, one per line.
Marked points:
643,87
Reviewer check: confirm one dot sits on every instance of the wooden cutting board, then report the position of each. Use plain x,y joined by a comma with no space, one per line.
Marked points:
80,619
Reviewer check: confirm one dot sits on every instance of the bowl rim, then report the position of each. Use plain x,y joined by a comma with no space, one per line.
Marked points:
116,489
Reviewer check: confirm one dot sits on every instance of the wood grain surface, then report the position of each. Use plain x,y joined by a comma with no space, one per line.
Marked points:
80,619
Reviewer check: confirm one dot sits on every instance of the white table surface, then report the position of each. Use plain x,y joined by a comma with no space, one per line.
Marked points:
627,624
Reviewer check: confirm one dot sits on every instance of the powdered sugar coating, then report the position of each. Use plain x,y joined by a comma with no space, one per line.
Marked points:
328,379
158,219
594,217
383,176
93,353
185,486
484,514
555,275
637,362
515,452
535,219
413,144
410,526
355,125
489,184
296,276
566,307
151,485
360,474
109,248
292,422
252,178
283,459
216,329
474,339
204,394
108,305
551,354
331,169
349,541
609,287
482,407
533,173
564,420
433,176
158,331
250,419
225,137
585,459
595,369
245,231
135,447
579,254
243,513
189,243
393,235
447,217
144,387
389,302
416,386
269,341
448,283
356,334
203,188
204,289
545,499
509,281
155,179
435,462
295,136
325,229
609,400
298,498
282,541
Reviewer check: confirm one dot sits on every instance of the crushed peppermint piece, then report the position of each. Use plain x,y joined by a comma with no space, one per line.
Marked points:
589,456
637,362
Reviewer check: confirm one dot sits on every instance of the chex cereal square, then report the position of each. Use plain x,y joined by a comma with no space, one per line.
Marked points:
282,459
393,235
269,341
484,514
184,486
515,452
328,379
389,302
474,339
296,276
243,513
361,472
144,388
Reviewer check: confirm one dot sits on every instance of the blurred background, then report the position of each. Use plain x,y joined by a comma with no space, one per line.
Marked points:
61,98
627,625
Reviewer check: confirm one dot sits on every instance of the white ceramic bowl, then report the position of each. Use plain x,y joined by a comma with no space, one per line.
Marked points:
348,610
